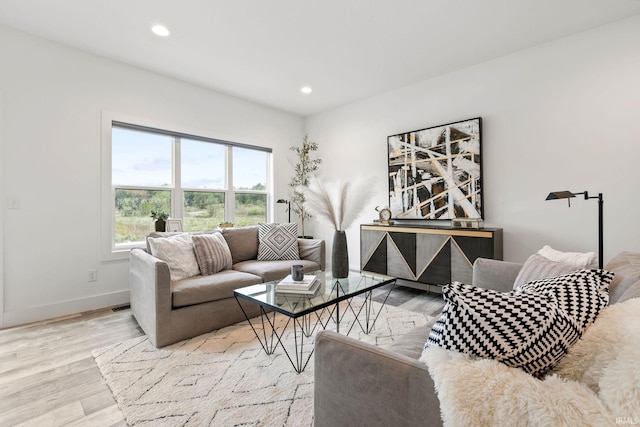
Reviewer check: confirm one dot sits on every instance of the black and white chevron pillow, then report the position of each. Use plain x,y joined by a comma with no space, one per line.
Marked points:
278,242
531,327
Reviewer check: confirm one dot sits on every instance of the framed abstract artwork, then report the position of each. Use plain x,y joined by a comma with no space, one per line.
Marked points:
436,173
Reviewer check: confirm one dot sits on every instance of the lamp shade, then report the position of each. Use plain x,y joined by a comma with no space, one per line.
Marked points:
569,195
560,195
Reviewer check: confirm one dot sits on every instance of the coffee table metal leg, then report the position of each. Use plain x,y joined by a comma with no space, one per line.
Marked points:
267,341
305,326
367,306
270,338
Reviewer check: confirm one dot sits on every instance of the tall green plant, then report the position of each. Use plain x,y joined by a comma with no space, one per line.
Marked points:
305,168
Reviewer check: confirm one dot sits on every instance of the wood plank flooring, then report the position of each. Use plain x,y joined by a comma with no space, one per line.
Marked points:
49,378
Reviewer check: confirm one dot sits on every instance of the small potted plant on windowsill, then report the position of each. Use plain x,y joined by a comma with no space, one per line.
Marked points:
161,218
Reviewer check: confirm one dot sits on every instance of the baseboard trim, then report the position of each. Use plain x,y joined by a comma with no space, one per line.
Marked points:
65,308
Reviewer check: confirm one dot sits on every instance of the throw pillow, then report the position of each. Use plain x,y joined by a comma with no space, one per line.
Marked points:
212,253
278,242
576,259
538,267
531,328
177,252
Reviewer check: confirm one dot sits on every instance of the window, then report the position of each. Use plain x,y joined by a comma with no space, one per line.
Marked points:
201,180
250,197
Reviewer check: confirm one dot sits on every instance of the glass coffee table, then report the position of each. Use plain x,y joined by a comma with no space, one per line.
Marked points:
309,312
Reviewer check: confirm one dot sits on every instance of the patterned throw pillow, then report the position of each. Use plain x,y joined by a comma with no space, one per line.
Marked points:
278,242
212,253
177,252
531,328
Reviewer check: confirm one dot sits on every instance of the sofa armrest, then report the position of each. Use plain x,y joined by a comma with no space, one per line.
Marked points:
150,283
356,383
495,274
312,250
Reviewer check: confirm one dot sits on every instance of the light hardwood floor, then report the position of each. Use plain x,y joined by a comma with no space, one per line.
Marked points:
48,376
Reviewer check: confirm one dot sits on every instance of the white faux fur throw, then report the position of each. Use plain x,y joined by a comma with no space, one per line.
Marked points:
596,384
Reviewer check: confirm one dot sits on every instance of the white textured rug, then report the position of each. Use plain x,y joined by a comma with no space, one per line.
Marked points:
224,378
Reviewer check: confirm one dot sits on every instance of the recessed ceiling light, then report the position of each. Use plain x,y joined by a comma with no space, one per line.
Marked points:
306,89
160,30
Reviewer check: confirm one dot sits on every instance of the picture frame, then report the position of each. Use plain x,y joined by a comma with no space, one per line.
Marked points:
174,225
436,173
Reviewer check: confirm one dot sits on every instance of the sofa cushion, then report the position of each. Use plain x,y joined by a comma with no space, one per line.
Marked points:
530,328
495,274
177,252
313,250
278,242
626,266
212,253
243,242
537,267
201,289
632,291
274,270
411,344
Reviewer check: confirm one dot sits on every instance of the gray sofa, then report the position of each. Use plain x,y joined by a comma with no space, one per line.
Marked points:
170,312
361,384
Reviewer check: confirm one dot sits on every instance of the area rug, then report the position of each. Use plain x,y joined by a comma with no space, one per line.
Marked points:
225,378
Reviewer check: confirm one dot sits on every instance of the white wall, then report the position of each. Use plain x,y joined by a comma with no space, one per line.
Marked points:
560,116
563,115
53,99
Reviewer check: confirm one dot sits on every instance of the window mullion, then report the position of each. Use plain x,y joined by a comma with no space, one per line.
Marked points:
177,199
229,202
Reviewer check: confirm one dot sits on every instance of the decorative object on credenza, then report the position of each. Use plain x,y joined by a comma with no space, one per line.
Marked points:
475,223
160,217
384,215
305,169
174,225
288,206
436,173
569,195
339,204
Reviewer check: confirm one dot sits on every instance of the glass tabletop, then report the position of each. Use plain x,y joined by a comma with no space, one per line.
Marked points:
329,292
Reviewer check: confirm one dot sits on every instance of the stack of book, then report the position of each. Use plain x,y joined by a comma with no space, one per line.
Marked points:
308,285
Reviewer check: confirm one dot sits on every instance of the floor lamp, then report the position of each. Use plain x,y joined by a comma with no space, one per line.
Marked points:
288,206
568,195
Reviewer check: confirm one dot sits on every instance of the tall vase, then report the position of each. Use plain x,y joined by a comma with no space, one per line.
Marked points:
339,255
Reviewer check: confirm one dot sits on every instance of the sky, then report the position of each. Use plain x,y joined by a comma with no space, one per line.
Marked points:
144,159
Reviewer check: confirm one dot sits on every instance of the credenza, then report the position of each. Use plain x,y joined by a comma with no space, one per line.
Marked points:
425,257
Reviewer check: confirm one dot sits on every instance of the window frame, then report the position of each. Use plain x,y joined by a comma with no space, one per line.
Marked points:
109,120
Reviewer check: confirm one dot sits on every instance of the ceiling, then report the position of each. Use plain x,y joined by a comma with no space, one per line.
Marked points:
266,50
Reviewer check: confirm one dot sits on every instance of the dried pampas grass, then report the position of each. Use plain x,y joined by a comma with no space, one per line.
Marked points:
339,203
